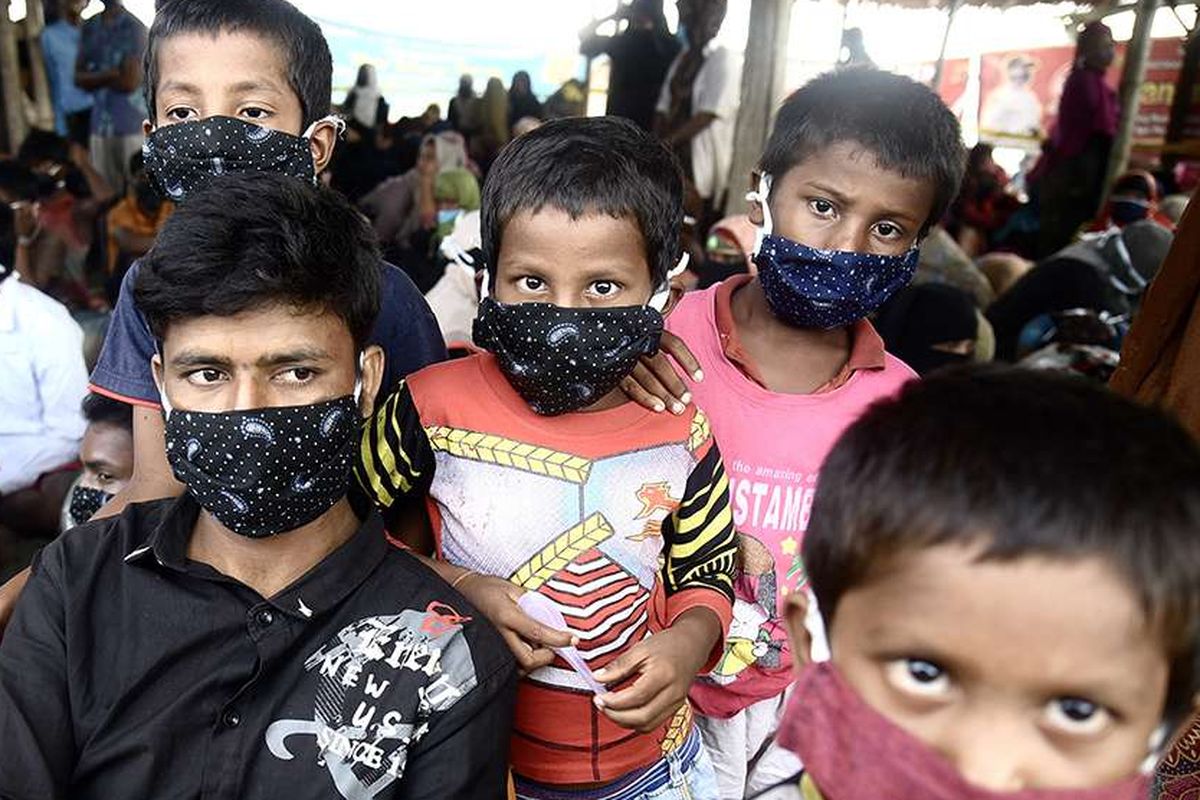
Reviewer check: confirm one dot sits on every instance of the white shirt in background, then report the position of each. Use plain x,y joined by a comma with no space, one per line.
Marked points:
43,380
716,90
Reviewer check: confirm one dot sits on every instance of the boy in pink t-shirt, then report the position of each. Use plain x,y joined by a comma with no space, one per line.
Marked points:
858,167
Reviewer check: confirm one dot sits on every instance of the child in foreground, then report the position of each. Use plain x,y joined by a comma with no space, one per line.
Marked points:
1008,568
542,477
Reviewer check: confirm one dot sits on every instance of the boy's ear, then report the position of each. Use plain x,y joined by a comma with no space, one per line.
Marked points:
156,370
755,212
372,377
795,613
321,144
147,127
677,292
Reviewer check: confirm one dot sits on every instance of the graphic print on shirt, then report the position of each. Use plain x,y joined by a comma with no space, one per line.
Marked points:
594,549
378,684
755,636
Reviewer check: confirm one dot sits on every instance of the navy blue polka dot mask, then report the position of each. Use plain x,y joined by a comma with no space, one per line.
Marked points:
185,157
265,471
824,289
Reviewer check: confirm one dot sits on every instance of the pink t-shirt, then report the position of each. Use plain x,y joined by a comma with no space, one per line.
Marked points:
773,446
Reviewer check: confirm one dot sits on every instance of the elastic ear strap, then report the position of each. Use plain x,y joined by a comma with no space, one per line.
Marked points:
338,123
761,196
658,301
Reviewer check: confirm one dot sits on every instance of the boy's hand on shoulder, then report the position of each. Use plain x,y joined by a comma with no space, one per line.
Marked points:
665,666
531,642
655,383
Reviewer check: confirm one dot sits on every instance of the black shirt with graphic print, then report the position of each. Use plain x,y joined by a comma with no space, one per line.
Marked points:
129,670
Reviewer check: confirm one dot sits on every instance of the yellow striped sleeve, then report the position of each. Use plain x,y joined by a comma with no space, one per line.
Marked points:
701,547
395,458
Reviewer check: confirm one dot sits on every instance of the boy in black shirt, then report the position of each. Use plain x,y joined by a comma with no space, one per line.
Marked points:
253,638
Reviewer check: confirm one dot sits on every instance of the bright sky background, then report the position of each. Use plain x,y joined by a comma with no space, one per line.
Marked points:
421,47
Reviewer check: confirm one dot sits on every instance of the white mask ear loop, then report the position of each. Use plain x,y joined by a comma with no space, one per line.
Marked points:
362,359
658,301
1158,740
338,123
162,392
761,196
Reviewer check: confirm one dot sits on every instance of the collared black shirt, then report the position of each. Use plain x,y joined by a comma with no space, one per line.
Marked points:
129,671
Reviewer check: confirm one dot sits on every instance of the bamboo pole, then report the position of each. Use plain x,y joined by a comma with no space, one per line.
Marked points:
35,23
1132,75
15,126
763,73
939,68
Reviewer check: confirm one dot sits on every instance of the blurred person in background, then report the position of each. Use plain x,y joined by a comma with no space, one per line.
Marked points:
1069,179
133,222
494,130
929,326
522,102
60,50
639,57
359,164
698,105
853,50
463,111
44,380
1134,197
983,204
110,67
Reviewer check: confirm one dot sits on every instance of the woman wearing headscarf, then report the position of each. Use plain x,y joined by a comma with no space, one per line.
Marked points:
1069,179
403,209
493,129
358,165
522,102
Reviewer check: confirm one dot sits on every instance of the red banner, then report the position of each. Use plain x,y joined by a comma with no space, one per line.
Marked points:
1020,91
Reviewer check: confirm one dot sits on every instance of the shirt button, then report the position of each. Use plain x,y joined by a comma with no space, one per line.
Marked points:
265,617
231,719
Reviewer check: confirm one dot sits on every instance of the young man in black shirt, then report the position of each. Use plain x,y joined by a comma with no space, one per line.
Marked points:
254,638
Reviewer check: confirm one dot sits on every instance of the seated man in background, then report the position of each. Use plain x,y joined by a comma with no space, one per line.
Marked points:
107,457
42,381
253,638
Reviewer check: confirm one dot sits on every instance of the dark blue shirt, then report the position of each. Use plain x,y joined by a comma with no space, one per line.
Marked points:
406,330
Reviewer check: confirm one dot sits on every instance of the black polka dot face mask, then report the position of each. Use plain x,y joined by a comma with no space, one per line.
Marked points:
268,470
823,289
85,502
564,359
185,157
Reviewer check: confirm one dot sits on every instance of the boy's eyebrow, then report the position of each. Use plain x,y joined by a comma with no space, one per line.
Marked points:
172,85
845,199
254,86
198,358
297,356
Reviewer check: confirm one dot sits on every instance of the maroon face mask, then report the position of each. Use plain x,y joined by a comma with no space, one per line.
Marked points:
852,752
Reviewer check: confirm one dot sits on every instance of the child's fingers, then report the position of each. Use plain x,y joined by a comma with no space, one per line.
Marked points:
675,347
649,380
664,369
647,717
528,658
622,667
534,632
641,692
640,396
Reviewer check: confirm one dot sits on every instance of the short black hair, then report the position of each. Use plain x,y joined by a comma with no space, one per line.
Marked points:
904,125
101,410
41,145
308,63
1023,463
251,240
597,165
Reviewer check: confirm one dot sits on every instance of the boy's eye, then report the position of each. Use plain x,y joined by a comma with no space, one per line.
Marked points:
889,230
254,112
298,375
180,113
531,284
1077,716
604,288
205,377
821,207
918,676
104,477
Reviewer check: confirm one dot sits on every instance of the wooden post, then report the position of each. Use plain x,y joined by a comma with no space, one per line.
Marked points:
1185,89
35,23
936,83
763,73
15,126
1132,76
